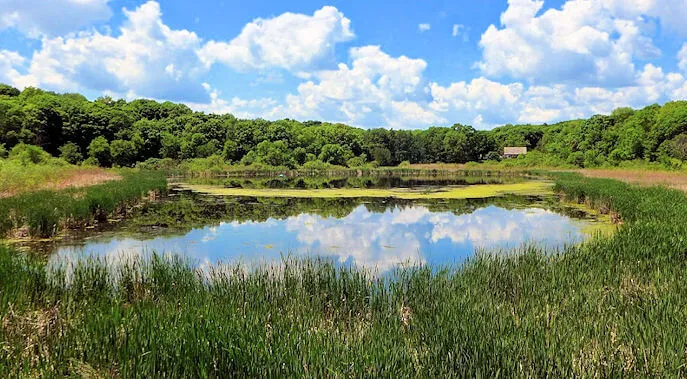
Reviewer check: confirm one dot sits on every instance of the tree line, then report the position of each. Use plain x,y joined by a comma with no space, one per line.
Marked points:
109,132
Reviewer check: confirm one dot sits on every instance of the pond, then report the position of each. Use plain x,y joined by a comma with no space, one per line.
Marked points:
376,232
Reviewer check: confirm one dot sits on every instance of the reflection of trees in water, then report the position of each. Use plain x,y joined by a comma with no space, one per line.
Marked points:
353,181
183,211
186,210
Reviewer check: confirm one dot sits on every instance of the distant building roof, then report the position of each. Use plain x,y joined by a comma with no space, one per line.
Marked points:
514,150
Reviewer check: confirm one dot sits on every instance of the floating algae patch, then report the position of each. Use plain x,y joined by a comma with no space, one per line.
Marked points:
534,187
599,227
594,223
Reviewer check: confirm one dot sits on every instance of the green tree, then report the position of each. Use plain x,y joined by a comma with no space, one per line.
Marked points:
123,152
274,154
170,146
71,153
335,154
99,150
9,91
231,151
357,161
381,155
300,155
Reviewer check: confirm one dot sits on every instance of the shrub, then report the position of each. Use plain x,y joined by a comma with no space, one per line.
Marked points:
70,153
317,165
335,154
99,149
27,154
123,152
356,162
493,156
90,162
157,164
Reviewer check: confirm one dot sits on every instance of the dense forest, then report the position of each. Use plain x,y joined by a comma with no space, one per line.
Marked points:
109,132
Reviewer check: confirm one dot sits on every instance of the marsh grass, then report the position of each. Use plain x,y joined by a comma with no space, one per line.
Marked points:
611,307
44,213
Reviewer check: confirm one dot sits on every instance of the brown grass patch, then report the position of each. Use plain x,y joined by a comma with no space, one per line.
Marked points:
83,178
78,178
676,180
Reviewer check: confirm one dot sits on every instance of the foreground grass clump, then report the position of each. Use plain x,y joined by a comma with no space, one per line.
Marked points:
611,307
45,212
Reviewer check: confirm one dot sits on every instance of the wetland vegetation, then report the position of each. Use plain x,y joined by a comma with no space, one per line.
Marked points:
392,280
609,306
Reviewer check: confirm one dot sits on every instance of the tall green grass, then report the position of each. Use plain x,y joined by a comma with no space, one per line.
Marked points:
611,307
45,212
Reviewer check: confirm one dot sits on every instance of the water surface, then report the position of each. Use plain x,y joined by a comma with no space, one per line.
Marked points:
372,233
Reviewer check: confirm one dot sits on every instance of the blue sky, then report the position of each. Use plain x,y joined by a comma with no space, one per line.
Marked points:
402,64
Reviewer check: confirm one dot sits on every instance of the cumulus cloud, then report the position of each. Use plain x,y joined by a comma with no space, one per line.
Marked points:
241,108
148,58
424,27
375,90
586,42
37,18
671,13
487,103
485,100
9,62
289,41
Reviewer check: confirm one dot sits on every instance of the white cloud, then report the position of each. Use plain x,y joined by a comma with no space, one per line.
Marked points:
376,90
493,102
460,30
586,42
671,13
241,108
682,58
37,18
148,59
289,41
9,62
424,27
487,103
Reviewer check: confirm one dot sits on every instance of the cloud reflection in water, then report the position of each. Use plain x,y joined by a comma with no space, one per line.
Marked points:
413,235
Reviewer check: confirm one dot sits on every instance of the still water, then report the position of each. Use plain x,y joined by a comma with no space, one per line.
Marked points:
372,233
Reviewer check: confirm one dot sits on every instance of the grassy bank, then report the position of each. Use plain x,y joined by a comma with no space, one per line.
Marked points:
610,307
17,177
44,213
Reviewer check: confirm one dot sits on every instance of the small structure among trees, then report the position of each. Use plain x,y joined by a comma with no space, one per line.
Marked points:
514,152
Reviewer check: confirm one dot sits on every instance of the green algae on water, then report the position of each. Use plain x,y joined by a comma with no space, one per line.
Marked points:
532,188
